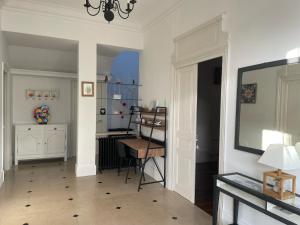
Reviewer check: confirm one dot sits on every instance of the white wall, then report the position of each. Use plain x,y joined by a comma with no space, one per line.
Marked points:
60,109
259,31
3,58
104,64
42,59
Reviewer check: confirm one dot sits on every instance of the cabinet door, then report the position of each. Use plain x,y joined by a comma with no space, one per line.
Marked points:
55,143
29,144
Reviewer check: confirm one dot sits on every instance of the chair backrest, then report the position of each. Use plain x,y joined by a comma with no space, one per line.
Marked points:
122,150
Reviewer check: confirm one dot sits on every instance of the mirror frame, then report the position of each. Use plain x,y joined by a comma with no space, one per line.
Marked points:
241,71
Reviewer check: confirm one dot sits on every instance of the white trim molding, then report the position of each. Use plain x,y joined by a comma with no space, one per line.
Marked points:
205,42
85,170
40,73
1,177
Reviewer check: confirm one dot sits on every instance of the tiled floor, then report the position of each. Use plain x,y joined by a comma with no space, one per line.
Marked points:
48,193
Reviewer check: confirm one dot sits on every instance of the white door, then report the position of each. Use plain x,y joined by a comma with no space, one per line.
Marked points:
55,143
1,118
185,130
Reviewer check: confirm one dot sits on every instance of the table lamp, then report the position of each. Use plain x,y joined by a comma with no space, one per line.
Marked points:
282,157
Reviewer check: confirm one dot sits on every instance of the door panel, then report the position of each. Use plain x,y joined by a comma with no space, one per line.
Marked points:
29,144
55,142
1,118
185,130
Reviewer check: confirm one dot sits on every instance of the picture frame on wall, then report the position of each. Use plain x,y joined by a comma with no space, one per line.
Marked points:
248,93
87,89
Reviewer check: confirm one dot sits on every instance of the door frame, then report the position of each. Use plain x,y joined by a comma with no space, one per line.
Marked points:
217,49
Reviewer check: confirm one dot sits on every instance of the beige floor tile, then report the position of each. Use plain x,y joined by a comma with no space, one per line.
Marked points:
57,197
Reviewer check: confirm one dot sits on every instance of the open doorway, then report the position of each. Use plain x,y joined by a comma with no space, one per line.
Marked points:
208,130
46,80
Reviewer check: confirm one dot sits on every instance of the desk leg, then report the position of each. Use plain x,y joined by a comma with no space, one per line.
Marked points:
236,204
100,155
215,203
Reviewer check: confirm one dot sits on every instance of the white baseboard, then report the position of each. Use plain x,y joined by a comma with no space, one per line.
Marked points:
1,177
85,170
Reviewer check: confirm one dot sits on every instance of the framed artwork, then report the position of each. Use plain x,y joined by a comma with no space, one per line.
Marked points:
87,89
248,93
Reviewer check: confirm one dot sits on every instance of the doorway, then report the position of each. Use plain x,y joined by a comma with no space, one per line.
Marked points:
208,130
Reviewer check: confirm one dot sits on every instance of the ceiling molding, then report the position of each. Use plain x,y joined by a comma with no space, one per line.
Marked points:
162,16
69,16
40,73
70,13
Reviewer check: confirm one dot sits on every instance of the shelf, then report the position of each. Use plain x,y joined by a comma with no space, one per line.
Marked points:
153,113
128,99
113,114
123,84
154,127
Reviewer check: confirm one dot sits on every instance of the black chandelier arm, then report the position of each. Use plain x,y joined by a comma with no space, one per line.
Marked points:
121,12
93,7
95,14
118,7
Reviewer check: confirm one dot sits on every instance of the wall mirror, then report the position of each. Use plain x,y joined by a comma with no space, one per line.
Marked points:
268,105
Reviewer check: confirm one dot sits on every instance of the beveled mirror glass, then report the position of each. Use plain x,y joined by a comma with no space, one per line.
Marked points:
268,105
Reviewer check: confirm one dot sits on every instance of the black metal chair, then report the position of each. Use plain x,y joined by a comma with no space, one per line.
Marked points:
125,157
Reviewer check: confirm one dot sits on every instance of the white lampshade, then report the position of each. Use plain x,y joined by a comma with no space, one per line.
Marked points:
281,157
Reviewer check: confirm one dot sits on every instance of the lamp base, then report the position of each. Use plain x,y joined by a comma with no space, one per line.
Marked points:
279,191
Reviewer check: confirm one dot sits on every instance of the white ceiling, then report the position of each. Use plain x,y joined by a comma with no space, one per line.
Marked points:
145,10
34,41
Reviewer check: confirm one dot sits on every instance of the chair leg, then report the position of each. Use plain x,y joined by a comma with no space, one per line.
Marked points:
129,164
135,167
119,167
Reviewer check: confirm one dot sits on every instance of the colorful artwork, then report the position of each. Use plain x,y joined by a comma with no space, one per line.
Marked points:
41,114
248,93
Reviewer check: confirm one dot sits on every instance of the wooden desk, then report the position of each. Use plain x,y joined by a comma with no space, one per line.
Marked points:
139,148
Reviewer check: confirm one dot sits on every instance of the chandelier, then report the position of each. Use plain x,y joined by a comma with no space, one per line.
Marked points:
108,7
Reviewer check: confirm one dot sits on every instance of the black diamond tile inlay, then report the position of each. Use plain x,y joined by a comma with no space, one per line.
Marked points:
33,166
129,178
25,223
174,218
64,177
118,207
67,187
30,181
107,193
75,215
70,199
29,192
154,200
99,182
27,205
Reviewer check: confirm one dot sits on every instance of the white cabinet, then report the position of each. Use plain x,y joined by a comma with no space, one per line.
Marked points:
40,142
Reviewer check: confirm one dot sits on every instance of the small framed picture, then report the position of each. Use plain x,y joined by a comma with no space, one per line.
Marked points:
87,89
248,93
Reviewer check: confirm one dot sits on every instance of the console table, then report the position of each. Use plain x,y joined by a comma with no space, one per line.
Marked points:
249,191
